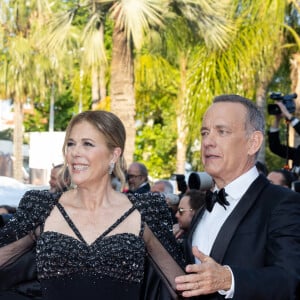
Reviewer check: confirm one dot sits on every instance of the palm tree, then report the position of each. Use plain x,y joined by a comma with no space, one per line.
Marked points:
18,74
132,20
245,67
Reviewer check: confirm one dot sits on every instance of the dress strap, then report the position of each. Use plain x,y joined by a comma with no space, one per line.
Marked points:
69,221
107,231
119,221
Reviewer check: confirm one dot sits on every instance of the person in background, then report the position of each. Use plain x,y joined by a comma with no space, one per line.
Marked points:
59,179
282,177
89,239
7,209
6,212
276,146
162,186
188,207
245,243
166,187
137,177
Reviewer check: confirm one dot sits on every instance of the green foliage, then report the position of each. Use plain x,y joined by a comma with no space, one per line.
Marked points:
6,134
156,133
156,105
63,112
156,148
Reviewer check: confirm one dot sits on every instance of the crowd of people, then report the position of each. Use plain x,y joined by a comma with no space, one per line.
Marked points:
239,239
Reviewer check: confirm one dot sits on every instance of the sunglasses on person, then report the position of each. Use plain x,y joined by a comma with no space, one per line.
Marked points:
181,210
129,176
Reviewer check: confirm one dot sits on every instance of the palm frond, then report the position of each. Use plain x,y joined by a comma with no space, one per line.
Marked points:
212,19
93,42
56,30
136,17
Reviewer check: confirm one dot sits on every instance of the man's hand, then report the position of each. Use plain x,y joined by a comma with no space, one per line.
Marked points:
177,231
205,278
285,112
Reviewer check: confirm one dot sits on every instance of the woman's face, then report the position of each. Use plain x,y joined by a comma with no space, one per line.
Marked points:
87,155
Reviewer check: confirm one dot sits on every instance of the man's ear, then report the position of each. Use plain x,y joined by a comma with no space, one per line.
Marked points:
255,142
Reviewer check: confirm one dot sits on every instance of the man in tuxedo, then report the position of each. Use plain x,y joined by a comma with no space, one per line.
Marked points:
246,245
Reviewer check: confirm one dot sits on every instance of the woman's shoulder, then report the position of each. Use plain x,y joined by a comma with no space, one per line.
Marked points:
38,198
33,209
150,205
37,204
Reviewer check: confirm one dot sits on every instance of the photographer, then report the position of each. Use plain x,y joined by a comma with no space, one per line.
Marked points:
282,150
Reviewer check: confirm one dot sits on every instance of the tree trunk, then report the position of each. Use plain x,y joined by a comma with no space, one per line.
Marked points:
122,89
295,78
98,78
261,93
181,119
18,141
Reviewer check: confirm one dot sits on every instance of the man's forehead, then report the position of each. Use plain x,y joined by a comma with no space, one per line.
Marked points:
224,113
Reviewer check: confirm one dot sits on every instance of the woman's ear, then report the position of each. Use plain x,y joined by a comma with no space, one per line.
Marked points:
116,154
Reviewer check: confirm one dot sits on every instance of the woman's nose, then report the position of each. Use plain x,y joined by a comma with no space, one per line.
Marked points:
76,150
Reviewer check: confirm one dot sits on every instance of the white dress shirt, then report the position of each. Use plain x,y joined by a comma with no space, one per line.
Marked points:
211,222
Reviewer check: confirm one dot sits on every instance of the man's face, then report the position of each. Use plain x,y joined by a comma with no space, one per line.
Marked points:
227,152
54,181
276,178
158,187
184,214
135,179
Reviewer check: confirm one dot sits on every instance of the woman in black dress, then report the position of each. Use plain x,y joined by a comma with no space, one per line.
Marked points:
89,240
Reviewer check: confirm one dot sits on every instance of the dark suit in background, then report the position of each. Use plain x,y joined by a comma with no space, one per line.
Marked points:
282,150
276,146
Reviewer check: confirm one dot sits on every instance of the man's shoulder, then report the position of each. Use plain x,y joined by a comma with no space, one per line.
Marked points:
274,195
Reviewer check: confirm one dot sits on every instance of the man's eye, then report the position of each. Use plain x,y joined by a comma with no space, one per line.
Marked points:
204,133
223,132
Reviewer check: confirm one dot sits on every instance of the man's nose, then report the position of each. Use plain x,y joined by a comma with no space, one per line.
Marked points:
208,139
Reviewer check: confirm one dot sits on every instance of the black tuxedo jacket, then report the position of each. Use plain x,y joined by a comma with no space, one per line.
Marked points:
260,241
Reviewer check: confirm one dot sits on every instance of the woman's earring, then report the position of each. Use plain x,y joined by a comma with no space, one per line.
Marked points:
111,168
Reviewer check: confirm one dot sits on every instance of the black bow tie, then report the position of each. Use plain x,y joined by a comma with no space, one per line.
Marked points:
218,196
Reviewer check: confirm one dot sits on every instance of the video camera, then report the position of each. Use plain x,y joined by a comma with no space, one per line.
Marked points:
200,181
287,100
181,184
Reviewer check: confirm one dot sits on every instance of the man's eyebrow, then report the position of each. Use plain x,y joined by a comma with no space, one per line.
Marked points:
221,126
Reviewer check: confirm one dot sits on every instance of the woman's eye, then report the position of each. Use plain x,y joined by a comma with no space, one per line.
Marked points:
88,144
69,144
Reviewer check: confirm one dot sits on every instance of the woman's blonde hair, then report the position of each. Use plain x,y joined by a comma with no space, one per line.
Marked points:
113,131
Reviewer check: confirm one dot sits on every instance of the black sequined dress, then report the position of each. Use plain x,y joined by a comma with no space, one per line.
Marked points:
111,268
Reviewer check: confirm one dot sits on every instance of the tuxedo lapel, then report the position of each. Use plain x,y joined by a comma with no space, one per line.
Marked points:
230,225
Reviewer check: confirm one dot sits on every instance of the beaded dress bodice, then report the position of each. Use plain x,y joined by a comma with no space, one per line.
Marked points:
119,256
69,268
